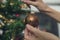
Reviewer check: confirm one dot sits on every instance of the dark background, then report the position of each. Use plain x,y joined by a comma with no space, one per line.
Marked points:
48,23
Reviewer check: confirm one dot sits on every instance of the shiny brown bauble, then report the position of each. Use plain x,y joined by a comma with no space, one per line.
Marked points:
32,19
33,0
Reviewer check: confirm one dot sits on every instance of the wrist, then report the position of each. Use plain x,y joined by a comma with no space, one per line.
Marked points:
42,7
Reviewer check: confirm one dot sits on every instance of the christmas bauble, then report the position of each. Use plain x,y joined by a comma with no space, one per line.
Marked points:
32,19
33,0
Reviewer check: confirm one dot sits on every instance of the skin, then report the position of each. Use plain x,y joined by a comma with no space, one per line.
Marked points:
44,8
32,33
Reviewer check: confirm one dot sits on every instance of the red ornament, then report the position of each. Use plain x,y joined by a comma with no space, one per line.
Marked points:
17,15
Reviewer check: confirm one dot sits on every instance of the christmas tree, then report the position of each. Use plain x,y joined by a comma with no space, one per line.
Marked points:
10,20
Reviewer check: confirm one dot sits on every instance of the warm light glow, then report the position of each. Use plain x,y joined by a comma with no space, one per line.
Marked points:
11,20
3,6
1,16
0,25
31,18
11,3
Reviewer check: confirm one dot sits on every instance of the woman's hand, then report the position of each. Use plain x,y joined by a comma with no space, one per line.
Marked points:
33,2
38,3
35,34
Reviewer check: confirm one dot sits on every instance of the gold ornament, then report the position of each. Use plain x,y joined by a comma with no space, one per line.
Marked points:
3,6
24,7
11,39
32,20
0,25
10,21
11,3
1,16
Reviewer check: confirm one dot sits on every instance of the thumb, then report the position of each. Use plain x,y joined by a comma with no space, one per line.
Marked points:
33,30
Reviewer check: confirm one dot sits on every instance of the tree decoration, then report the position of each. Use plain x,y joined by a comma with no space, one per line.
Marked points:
32,19
10,21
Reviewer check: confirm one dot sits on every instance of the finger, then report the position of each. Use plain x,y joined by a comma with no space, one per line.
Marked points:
27,35
31,37
25,32
26,39
28,2
33,30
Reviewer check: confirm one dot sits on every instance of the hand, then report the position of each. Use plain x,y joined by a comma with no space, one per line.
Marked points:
33,2
38,3
35,34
